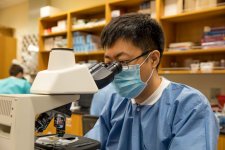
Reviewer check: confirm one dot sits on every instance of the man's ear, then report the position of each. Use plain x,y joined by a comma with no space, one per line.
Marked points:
19,75
155,57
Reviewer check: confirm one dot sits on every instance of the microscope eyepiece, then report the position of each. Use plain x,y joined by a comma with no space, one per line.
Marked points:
103,74
115,67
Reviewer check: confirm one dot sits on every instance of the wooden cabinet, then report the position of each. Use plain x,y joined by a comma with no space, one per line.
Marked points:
102,11
182,27
73,126
221,142
189,26
97,12
7,54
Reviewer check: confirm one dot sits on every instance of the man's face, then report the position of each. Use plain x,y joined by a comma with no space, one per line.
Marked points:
19,75
123,51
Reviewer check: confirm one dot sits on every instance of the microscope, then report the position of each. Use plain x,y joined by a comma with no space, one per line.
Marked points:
62,83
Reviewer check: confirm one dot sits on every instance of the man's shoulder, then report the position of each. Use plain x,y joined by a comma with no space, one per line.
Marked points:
186,96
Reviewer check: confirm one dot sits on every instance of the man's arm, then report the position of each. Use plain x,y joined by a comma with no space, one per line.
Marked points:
195,127
102,127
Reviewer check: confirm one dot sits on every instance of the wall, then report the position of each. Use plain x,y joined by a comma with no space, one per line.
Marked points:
17,18
204,82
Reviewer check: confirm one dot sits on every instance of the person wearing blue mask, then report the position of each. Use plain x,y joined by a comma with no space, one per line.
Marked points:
146,111
15,84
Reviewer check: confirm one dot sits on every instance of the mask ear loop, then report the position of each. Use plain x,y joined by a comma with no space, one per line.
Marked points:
152,69
150,75
145,59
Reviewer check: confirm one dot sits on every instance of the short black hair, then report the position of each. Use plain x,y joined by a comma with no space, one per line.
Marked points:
140,29
15,70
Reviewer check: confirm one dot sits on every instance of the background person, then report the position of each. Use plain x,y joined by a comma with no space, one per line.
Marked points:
15,84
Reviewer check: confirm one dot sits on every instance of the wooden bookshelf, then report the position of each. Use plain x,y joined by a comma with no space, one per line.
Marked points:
97,52
195,14
189,27
56,17
125,3
194,51
186,26
190,72
95,28
95,12
55,34
45,23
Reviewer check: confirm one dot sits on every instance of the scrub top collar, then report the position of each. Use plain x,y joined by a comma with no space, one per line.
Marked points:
152,99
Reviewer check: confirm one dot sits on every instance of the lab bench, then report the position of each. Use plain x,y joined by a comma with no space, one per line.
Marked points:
221,142
74,126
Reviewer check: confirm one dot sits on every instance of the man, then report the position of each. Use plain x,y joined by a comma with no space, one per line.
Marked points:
148,111
15,84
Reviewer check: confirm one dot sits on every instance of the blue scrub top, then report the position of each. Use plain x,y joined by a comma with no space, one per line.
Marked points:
13,85
181,119
100,99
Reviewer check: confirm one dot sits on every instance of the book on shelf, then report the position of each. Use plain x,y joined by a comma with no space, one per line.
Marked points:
84,42
216,44
60,27
208,28
87,23
202,4
145,7
173,7
213,37
189,5
55,42
153,9
175,68
117,13
220,32
48,43
180,46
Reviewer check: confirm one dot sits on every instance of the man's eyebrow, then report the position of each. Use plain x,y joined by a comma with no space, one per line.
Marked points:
117,55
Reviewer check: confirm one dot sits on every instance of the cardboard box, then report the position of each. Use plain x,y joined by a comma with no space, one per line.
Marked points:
48,11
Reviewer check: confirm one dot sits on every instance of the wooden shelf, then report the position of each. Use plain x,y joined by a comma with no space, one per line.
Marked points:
90,29
190,72
89,10
197,14
194,51
97,52
55,34
178,28
56,17
125,3
45,51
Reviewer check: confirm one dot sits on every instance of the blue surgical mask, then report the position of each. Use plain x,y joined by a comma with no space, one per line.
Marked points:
128,83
